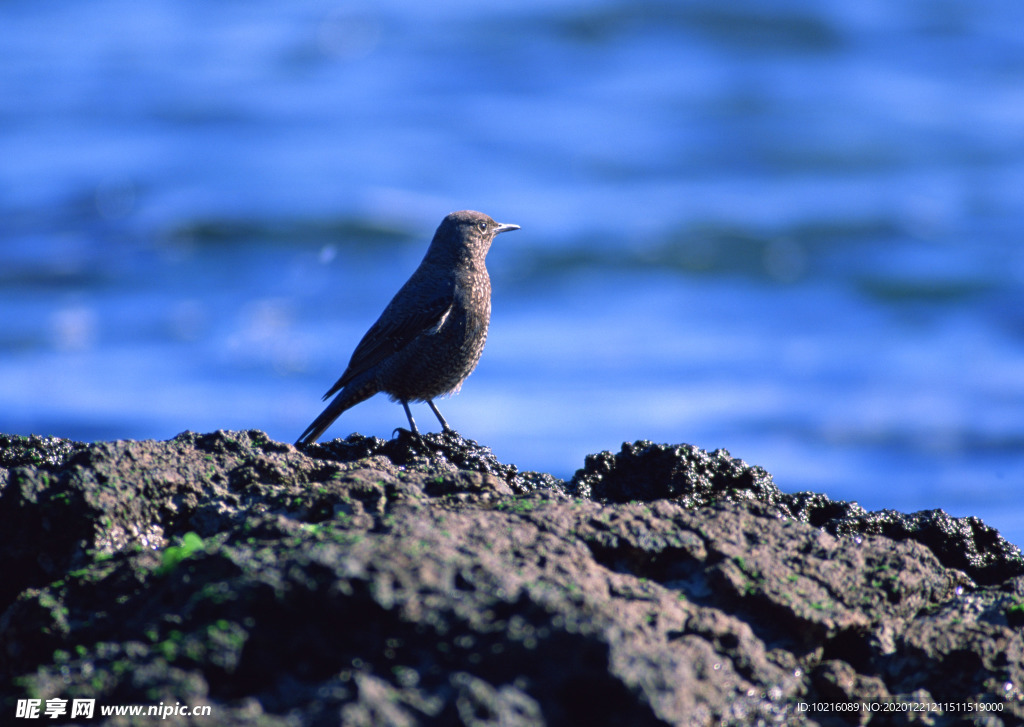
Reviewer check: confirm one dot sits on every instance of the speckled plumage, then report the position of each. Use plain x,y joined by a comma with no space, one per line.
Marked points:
430,336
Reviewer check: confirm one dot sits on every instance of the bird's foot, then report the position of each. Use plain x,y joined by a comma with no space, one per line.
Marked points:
411,442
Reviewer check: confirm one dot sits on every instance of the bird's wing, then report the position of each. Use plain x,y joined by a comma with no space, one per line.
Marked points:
401,322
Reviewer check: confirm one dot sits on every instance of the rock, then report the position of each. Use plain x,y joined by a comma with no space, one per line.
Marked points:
414,582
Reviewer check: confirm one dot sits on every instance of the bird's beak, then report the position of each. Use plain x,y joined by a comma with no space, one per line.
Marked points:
504,228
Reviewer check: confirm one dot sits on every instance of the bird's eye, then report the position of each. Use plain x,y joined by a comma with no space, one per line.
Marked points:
482,226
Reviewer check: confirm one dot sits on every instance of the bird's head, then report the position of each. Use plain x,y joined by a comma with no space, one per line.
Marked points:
467,234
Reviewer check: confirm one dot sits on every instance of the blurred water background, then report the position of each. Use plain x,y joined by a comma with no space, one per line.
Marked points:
790,229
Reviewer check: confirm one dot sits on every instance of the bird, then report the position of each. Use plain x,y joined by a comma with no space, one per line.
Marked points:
430,336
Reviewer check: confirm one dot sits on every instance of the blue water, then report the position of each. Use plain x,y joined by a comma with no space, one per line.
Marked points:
790,230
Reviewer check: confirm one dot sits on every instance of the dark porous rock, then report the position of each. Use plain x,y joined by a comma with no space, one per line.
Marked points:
419,581
647,471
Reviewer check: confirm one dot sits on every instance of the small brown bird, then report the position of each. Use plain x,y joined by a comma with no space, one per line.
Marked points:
430,337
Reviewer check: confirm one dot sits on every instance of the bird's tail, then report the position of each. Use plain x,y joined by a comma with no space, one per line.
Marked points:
346,399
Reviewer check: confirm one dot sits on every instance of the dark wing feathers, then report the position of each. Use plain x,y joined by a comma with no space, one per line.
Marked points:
395,329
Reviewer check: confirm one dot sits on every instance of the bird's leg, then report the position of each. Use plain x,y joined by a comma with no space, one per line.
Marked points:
412,422
444,424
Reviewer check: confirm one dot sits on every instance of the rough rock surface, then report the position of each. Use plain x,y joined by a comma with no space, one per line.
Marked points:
364,582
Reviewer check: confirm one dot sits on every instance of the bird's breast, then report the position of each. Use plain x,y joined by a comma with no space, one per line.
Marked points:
439,360
473,301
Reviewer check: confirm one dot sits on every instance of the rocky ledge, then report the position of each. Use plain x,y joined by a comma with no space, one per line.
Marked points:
416,582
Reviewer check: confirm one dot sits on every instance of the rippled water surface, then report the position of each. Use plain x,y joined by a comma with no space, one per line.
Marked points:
791,230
